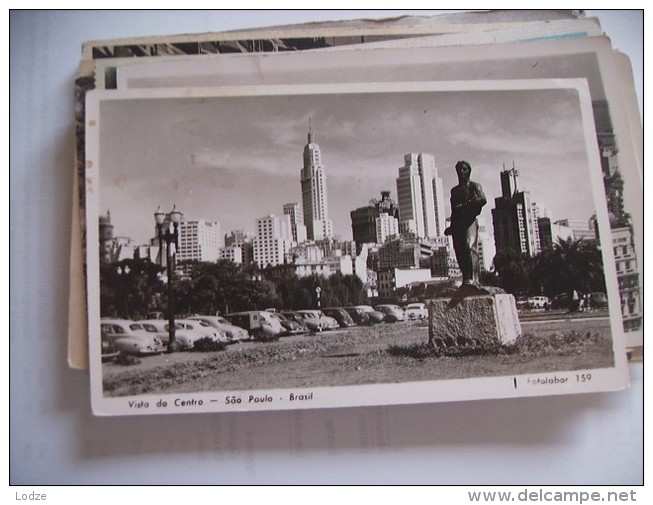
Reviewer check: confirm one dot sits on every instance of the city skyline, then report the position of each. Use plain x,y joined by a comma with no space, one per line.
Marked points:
246,166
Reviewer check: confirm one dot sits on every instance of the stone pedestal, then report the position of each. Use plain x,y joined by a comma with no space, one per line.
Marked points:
473,320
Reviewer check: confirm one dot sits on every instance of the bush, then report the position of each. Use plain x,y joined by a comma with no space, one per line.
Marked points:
572,342
554,344
207,344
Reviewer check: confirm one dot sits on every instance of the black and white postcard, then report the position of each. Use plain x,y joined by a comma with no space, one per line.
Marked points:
333,245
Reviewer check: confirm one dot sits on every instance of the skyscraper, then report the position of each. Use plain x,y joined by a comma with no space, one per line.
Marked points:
515,218
297,227
364,221
421,197
314,192
199,240
273,240
106,238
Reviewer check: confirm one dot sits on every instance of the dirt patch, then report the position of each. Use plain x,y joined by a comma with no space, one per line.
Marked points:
351,357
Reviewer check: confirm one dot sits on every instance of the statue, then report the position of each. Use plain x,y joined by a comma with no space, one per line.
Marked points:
467,200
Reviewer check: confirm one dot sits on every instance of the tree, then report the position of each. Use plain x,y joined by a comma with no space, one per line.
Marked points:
571,264
129,287
513,270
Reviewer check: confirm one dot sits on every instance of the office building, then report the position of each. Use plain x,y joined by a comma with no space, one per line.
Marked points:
420,195
515,218
242,240
107,253
199,240
297,227
273,240
314,192
580,228
552,233
365,227
627,277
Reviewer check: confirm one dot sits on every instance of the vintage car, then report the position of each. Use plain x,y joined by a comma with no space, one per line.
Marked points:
359,316
259,323
290,327
312,325
329,322
393,313
375,316
560,301
185,337
340,315
232,332
202,329
598,300
538,302
415,311
108,348
130,337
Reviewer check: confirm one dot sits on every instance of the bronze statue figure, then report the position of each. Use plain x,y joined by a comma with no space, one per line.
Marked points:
467,200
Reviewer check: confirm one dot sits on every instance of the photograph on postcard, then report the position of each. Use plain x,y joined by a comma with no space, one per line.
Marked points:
336,245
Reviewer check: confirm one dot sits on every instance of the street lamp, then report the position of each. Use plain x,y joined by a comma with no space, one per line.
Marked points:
171,238
123,271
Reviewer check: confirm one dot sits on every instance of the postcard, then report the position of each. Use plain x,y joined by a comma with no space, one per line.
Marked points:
235,265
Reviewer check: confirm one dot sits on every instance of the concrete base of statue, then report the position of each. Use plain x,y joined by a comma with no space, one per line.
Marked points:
473,316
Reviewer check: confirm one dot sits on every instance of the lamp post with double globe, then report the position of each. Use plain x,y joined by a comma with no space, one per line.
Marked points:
171,238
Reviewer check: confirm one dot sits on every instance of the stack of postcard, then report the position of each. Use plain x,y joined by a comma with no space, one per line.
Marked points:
357,213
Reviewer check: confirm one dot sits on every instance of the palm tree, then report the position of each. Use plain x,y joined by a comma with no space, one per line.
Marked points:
572,264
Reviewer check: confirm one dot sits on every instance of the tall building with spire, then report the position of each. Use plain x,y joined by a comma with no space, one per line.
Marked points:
106,239
420,195
314,192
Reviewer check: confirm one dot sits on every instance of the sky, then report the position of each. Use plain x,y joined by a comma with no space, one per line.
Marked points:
234,159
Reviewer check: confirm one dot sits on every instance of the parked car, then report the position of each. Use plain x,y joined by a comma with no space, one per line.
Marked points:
232,332
331,324
290,327
312,325
160,328
129,337
393,313
259,323
560,301
538,302
108,348
340,315
375,316
415,311
202,329
359,316
598,300
186,332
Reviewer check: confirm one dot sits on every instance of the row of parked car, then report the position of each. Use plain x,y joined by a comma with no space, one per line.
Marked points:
595,300
151,336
